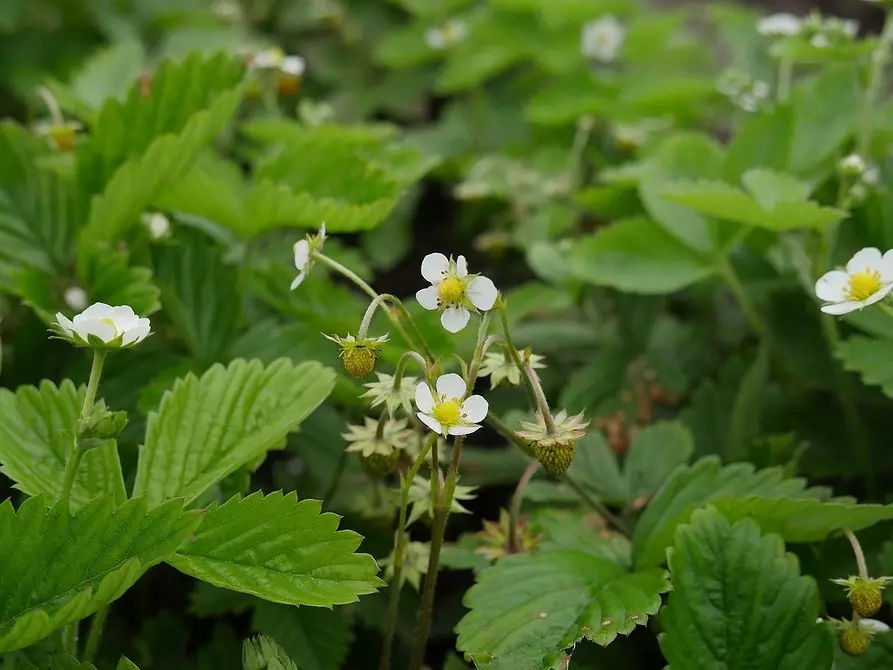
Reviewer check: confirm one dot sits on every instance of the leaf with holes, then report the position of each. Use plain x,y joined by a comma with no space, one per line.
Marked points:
65,568
697,485
279,549
208,427
739,601
316,639
528,608
36,436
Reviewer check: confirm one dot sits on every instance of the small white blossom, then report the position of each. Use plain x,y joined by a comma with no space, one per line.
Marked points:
450,412
75,298
602,39
780,25
304,250
276,59
105,327
454,291
452,32
868,278
158,225
873,625
853,164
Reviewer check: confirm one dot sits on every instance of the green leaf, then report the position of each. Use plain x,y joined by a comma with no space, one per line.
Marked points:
200,293
126,664
279,549
596,469
262,653
638,256
235,414
315,638
112,280
64,567
763,141
871,359
36,436
528,608
739,601
748,408
70,663
703,482
108,73
160,136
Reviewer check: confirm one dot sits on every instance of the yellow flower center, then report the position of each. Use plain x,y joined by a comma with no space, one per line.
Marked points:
450,290
448,413
107,321
864,284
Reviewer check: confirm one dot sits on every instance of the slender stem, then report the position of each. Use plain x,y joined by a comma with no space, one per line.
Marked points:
513,351
399,551
597,505
479,350
857,550
541,401
70,638
401,367
52,105
76,454
785,77
95,637
747,306
515,510
879,59
337,477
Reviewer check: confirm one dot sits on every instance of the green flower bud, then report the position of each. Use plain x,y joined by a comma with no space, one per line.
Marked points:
100,426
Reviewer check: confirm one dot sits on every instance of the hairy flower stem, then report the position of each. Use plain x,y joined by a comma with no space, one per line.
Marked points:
399,551
515,511
513,351
442,512
860,562
355,278
398,304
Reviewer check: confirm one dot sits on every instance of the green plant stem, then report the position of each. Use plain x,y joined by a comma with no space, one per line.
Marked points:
514,545
545,411
356,279
785,77
860,562
513,351
879,60
399,551
747,306
337,477
94,639
70,638
76,454
597,505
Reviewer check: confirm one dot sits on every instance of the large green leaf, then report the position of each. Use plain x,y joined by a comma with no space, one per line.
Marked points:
208,427
59,568
262,653
871,359
315,638
638,256
528,608
739,602
151,141
279,549
199,292
701,483
36,432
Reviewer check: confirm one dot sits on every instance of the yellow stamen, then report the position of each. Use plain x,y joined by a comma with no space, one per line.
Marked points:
107,321
864,284
450,290
448,413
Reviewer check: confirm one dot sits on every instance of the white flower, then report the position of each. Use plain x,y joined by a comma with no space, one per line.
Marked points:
602,39
104,327
873,625
157,224
304,250
454,291
450,413
452,32
868,279
75,297
780,25
853,164
293,65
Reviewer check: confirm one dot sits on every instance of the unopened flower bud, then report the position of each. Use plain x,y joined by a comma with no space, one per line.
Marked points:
101,425
554,447
379,444
359,354
378,464
865,595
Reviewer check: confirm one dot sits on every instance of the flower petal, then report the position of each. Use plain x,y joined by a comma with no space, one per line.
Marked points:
878,295
868,258
874,625
886,267
95,327
482,293
431,422
123,317
423,398
297,281
137,333
831,286
463,430
461,267
65,323
427,297
97,310
302,254
474,409
451,386
293,65
435,267
455,319
839,308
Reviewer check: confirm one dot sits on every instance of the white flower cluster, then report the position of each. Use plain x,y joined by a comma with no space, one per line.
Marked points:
817,30
602,39
445,36
868,279
745,92
276,60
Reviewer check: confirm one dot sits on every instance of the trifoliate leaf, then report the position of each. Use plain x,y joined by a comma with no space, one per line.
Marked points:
528,608
704,482
871,359
262,653
65,567
739,602
279,549
316,639
234,415
36,435
638,256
